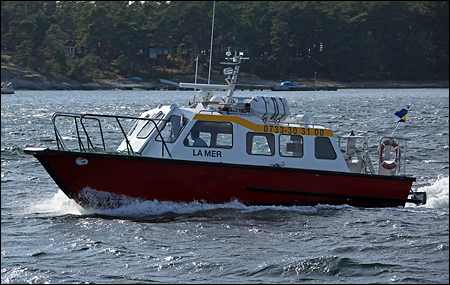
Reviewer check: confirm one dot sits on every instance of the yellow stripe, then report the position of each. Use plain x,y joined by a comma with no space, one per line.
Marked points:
266,128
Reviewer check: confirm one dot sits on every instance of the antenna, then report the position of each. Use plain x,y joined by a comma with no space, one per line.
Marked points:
196,68
235,27
212,36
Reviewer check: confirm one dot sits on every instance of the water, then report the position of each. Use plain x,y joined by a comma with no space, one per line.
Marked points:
47,238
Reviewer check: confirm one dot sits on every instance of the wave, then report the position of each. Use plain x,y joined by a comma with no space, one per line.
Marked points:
129,207
437,193
58,204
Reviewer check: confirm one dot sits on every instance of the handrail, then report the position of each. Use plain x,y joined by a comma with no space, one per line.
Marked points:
86,116
90,145
59,140
89,142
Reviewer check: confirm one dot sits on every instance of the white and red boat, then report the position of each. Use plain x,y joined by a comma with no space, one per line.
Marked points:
227,148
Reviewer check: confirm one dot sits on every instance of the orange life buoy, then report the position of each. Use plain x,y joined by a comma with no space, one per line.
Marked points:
391,164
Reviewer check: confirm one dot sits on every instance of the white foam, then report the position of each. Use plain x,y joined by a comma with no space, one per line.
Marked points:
437,193
58,204
134,207
139,208
124,206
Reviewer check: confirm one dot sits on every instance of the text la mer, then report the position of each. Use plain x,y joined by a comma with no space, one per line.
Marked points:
206,153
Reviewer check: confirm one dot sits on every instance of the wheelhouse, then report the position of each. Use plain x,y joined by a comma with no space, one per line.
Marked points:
229,138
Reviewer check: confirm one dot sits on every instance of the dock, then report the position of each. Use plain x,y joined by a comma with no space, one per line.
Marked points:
149,87
284,88
251,87
304,88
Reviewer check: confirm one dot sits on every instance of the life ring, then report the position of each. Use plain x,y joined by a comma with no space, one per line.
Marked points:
391,164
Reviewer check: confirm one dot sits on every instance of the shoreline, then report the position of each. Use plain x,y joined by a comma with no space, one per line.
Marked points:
26,79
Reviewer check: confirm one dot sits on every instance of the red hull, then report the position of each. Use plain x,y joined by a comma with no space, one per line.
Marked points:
183,181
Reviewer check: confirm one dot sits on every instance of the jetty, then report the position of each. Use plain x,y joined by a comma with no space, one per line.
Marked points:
286,88
242,87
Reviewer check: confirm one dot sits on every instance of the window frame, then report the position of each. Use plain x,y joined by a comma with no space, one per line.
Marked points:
213,131
270,140
329,144
302,144
185,122
157,116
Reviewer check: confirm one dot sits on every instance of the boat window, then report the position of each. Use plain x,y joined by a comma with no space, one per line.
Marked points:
139,123
224,140
324,149
291,145
260,144
149,126
172,129
210,134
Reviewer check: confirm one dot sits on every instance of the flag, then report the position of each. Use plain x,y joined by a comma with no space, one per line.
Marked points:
402,114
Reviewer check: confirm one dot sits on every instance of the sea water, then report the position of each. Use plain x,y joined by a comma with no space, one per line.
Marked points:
48,238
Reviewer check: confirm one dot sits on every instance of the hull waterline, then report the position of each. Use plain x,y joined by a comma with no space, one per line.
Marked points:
188,181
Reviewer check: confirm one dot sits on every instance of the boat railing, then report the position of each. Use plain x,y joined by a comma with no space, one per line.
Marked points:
302,125
81,120
400,155
356,155
296,124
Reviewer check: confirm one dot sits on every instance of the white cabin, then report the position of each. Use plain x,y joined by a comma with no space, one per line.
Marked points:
237,137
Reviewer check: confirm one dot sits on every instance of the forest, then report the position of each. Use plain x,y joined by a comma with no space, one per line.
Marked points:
335,40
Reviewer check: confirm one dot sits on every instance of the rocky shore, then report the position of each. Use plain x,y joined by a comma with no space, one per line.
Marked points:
26,79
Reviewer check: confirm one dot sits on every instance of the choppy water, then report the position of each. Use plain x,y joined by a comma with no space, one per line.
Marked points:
47,238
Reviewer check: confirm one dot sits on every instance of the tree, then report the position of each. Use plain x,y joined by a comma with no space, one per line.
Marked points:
54,38
100,32
343,40
279,42
83,69
24,54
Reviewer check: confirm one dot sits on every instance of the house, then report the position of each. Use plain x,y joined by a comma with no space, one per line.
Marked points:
154,52
72,50
69,47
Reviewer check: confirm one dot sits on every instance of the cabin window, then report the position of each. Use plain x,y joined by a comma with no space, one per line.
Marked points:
172,129
260,144
224,140
324,149
291,145
210,134
141,122
149,125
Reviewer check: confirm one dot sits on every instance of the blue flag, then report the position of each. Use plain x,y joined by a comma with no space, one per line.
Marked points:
402,114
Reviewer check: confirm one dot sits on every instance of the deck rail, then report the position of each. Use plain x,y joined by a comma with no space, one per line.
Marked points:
80,120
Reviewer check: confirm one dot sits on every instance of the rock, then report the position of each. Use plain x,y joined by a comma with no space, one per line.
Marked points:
27,79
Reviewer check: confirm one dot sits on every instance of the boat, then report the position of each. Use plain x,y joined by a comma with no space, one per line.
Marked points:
225,148
168,82
7,88
289,83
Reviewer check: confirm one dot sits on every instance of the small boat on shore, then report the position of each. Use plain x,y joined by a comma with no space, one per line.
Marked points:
7,88
168,82
225,148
